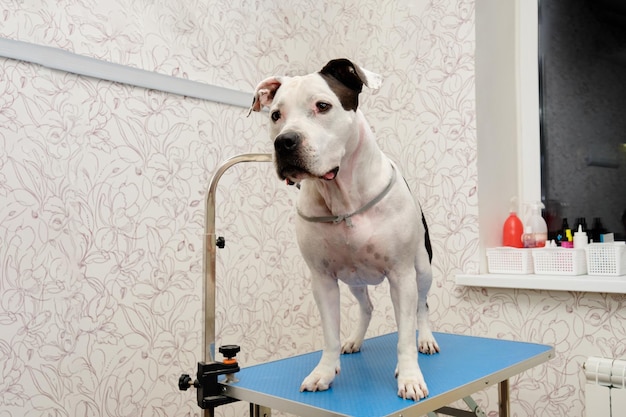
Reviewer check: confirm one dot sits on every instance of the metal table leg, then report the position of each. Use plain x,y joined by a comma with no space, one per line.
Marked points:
475,410
503,399
259,411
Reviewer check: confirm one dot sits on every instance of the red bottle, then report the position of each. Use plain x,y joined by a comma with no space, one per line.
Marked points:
512,231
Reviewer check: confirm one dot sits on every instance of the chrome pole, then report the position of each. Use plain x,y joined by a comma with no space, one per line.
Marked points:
210,243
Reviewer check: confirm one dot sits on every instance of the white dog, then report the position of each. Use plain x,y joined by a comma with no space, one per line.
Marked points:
357,220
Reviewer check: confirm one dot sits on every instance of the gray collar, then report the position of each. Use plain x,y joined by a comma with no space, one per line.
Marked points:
346,217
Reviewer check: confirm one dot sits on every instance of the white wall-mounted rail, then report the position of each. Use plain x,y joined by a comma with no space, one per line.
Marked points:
62,60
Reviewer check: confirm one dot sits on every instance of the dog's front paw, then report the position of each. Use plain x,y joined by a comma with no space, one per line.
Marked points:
426,343
412,388
411,383
319,379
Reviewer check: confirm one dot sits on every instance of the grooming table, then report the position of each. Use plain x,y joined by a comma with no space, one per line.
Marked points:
366,386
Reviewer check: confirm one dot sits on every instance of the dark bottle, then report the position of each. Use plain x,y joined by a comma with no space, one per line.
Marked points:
597,230
561,236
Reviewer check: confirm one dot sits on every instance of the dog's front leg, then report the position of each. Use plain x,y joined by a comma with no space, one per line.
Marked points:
411,384
326,293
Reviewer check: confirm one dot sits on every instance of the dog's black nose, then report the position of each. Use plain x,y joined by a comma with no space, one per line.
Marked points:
287,142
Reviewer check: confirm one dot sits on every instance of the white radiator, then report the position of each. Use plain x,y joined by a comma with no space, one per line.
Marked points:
605,390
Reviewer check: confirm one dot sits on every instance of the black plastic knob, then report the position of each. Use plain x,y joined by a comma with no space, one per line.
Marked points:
220,242
229,351
184,382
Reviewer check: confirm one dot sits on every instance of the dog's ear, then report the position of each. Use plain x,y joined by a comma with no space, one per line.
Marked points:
351,75
264,93
347,79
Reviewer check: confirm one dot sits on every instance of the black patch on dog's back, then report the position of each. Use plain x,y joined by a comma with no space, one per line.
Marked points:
427,243
429,248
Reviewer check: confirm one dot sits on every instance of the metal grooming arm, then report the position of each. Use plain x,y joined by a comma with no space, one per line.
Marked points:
209,392
210,244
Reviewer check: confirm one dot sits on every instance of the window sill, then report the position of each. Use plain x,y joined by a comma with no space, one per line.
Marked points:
577,283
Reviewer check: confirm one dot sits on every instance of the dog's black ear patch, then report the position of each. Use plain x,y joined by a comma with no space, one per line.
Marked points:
344,71
346,81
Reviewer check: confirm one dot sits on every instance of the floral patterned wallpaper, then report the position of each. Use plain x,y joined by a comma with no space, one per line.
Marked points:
102,190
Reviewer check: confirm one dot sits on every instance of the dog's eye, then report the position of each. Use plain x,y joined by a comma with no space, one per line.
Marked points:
322,106
275,115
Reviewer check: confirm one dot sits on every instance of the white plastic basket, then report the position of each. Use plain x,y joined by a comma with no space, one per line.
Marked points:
560,261
509,261
606,258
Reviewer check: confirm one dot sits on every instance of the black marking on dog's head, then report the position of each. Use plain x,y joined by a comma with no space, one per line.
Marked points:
346,80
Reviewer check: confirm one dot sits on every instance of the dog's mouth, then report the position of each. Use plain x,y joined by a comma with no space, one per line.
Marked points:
330,175
293,174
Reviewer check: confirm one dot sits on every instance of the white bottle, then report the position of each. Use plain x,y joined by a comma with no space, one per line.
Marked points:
580,238
538,225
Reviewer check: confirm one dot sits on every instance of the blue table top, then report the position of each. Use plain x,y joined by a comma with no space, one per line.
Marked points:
366,385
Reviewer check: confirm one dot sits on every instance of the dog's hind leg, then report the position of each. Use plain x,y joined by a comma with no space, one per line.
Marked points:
426,342
353,344
403,289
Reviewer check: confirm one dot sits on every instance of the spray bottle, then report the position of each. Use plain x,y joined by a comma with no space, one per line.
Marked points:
513,229
538,225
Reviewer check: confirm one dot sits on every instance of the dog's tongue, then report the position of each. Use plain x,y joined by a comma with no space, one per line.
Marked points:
330,175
